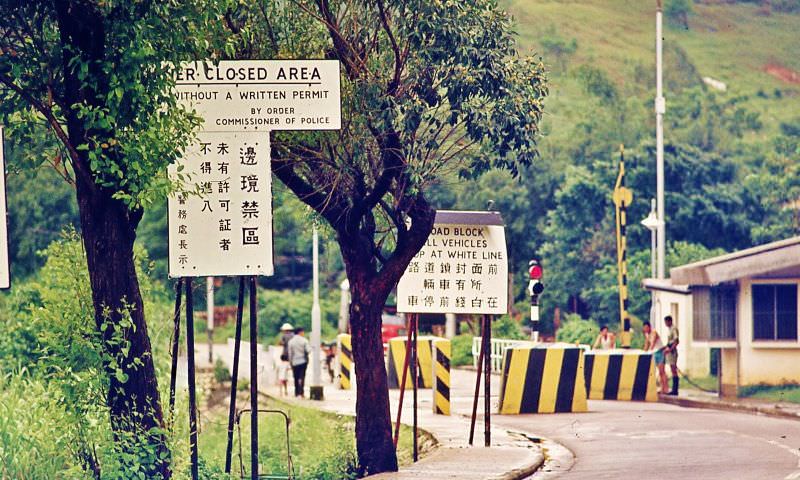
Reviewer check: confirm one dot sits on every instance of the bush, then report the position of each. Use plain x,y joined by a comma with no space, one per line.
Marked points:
461,350
221,372
577,330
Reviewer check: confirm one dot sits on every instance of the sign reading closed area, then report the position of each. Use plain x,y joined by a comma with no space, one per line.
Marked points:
221,224
5,276
262,95
463,267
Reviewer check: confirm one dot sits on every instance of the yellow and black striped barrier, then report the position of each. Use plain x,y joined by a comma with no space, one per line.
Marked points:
542,379
441,374
346,362
620,375
397,357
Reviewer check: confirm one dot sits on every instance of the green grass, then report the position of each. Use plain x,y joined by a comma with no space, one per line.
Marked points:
731,43
709,383
779,393
322,444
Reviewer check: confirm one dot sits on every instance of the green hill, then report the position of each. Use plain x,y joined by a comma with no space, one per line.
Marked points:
734,43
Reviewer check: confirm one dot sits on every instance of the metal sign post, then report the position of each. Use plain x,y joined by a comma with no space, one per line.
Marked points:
192,391
5,273
461,269
237,342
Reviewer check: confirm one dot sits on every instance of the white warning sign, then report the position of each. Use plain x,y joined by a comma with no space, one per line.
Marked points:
463,268
222,224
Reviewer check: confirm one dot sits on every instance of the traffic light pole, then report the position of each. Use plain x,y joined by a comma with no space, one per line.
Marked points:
535,287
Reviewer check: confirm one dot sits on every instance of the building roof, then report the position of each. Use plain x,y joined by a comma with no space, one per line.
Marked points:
665,285
774,259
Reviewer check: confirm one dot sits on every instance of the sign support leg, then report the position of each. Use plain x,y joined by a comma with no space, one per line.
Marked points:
253,381
477,390
176,337
409,326
487,379
192,391
414,380
235,375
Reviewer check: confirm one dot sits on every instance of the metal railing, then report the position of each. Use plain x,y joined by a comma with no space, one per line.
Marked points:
498,346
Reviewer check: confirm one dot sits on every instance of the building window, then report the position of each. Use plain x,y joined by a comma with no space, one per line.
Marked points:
775,312
714,312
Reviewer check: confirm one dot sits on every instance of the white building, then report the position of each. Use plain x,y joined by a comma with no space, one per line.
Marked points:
744,303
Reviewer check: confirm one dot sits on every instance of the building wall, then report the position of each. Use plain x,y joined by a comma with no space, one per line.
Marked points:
771,362
693,360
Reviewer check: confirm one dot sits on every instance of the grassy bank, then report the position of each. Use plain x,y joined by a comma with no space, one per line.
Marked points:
322,444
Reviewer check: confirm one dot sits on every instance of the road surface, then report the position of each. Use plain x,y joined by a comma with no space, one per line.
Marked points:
636,440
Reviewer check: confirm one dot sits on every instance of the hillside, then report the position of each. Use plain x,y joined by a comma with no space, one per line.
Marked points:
754,54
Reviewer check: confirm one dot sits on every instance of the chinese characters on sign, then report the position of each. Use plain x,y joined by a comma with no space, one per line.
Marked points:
5,277
262,95
461,269
222,225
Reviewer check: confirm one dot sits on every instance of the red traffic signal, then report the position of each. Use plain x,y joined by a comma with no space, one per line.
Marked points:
535,270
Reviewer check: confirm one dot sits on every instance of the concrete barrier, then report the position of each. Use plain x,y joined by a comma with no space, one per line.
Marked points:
441,376
542,379
620,375
346,363
397,357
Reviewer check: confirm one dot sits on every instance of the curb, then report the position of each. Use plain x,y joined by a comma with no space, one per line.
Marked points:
522,472
730,407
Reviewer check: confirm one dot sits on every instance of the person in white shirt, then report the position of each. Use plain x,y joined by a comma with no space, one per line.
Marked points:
606,340
298,350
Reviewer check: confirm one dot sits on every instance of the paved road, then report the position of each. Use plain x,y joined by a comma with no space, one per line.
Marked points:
634,440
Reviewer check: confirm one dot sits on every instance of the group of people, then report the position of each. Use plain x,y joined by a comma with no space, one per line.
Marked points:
295,357
663,354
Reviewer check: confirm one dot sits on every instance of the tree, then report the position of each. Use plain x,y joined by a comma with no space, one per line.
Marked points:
428,87
96,76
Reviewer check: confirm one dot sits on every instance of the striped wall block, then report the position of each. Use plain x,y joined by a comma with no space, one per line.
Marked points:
346,363
620,375
542,379
441,377
397,357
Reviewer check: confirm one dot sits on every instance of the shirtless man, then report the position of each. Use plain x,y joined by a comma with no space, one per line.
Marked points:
653,343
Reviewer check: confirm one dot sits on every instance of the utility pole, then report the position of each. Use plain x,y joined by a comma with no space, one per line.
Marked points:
344,307
316,326
210,313
661,108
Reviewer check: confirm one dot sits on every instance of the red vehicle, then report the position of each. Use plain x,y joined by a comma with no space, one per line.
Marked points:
391,326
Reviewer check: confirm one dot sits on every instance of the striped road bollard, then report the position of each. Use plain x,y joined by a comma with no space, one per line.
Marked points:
346,363
397,357
441,376
620,375
542,378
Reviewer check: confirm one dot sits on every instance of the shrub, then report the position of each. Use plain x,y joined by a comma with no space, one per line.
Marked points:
461,350
221,372
577,330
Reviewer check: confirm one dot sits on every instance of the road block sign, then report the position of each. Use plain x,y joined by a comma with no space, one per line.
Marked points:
5,274
462,268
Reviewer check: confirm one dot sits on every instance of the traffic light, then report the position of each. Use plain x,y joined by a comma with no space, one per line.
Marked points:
535,287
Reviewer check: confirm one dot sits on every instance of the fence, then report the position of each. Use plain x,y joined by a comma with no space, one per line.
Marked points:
498,346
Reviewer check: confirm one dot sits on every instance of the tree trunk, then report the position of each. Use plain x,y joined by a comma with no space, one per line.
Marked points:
109,229
374,443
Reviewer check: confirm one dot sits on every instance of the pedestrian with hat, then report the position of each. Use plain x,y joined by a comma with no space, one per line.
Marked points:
287,332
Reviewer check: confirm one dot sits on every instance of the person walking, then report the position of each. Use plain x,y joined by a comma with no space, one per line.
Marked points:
287,332
653,343
671,353
606,340
299,350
